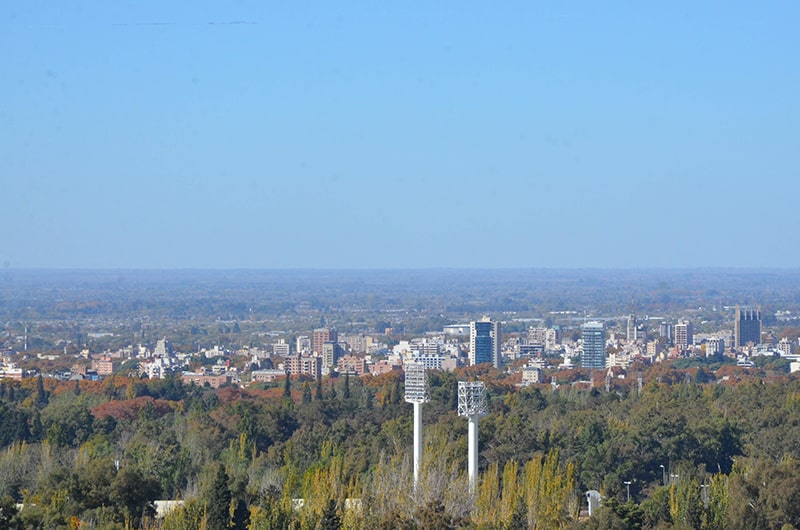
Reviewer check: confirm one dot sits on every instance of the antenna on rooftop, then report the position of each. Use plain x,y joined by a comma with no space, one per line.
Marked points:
472,404
417,393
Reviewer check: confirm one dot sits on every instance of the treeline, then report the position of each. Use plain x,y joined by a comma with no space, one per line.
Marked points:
336,454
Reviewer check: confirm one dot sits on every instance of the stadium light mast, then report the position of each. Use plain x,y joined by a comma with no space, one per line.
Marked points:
472,404
417,393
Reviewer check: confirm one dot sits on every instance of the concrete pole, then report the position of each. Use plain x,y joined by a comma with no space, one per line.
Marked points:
472,467
417,441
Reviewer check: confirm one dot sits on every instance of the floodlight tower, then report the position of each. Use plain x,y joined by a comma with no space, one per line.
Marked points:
417,393
472,404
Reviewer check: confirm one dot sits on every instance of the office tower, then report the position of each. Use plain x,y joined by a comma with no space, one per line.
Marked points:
666,331
484,342
320,336
631,330
714,346
684,335
594,345
747,326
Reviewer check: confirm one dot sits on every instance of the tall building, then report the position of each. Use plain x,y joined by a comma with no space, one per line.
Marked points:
747,326
594,345
304,365
714,346
631,329
484,342
537,335
665,330
684,335
320,336
331,352
163,348
552,339
303,344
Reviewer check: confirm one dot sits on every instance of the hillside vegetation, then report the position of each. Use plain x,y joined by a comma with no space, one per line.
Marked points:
696,454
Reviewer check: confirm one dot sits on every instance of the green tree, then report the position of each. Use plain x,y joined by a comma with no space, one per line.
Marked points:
218,505
134,493
434,517
287,387
330,517
41,399
9,517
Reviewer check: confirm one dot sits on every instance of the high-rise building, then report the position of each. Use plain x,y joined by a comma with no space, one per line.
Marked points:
303,344
552,339
747,326
665,330
684,335
163,348
594,345
320,336
537,335
304,365
631,329
714,346
331,352
484,342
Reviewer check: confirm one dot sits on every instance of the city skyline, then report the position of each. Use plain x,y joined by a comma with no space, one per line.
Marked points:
150,136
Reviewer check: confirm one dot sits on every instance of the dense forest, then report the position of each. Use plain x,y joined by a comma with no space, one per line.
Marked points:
683,453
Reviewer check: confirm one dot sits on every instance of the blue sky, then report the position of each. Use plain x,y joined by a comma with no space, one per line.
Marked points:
413,134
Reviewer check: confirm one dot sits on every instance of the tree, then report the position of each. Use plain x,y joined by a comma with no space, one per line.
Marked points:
41,396
9,518
519,519
605,519
218,509
433,517
330,517
287,386
189,516
135,493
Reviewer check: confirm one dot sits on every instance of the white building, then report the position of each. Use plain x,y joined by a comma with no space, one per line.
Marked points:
281,349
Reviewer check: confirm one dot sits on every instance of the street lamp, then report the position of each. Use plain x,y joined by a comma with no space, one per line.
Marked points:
673,478
704,490
663,475
628,486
